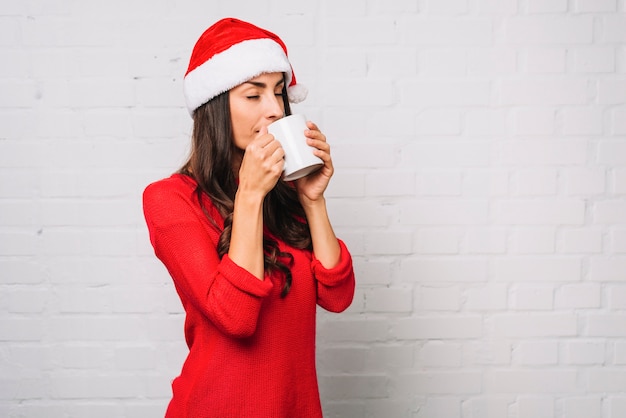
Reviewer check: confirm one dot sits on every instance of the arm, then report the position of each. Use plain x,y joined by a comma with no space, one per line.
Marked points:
183,239
261,167
332,263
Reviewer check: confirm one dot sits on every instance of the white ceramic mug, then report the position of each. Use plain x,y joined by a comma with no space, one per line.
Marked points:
299,158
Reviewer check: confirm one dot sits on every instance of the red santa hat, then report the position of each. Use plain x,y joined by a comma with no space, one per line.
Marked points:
230,53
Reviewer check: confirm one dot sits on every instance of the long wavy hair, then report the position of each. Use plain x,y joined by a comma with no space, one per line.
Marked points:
210,164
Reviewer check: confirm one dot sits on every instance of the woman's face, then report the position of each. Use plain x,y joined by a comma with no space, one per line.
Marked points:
255,104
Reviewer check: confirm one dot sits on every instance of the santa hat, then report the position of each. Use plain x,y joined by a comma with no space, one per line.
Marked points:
230,53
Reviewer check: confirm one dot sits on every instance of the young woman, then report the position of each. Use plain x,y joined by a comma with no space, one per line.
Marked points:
250,254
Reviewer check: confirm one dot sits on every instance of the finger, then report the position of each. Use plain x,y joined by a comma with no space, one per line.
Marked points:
312,126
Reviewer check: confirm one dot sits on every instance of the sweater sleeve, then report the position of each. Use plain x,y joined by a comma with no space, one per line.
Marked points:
226,294
335,286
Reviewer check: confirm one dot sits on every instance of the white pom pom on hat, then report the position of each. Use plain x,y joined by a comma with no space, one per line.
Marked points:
231,52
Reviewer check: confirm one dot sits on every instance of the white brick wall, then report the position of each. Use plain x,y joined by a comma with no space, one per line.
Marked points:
480,148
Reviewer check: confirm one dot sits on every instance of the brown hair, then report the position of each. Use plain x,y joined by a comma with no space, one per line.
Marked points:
210,164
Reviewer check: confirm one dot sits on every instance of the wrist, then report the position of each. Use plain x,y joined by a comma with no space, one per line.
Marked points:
309,204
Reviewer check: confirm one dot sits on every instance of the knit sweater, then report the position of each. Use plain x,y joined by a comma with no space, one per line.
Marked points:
251,352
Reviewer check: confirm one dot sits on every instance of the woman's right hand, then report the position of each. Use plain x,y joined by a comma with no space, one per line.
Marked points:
262,164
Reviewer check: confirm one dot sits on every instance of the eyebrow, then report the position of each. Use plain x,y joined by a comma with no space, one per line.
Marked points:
263,85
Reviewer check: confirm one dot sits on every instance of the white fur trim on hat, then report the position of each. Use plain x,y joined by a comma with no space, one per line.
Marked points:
232,67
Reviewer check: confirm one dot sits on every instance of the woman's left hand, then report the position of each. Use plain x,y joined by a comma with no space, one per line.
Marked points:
312,187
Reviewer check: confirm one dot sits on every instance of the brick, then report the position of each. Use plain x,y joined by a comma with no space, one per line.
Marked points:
491,297
583,407
443,212
528,407
583,352
538,353
348,184
384,183
372,156
545,60
498,7
407,6
618,125
18,329
439,183
438,62
612,91
437,240
547,270
541,152
440,383
547,6
614,30
446,154
395,122
607,269
487,122
595,5
441,327
429,299
438,122
485,182
618,240
388,300
612,152
349,31
549,29
447,7
606,380
396,62
352,214
544,381
605,325
552,211
581,241
524,325
594,60
439,354
534,121
610,211
531,298
358,330
444,269
341,387
542,93
578,296
582,121
447,31
486,240
617,406
342,360
616,296
533,240
535,182
488,353
18,93
491,61
350,8
619,181
584,181
439,93
372,271
486,407
440,406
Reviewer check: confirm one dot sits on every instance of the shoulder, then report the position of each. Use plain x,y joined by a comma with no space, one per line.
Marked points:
167,188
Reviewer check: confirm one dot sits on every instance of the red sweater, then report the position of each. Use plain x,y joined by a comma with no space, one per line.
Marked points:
251,352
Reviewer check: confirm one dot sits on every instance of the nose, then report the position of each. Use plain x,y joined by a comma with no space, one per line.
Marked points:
275,107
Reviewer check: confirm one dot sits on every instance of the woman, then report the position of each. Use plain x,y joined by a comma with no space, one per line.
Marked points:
250,254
